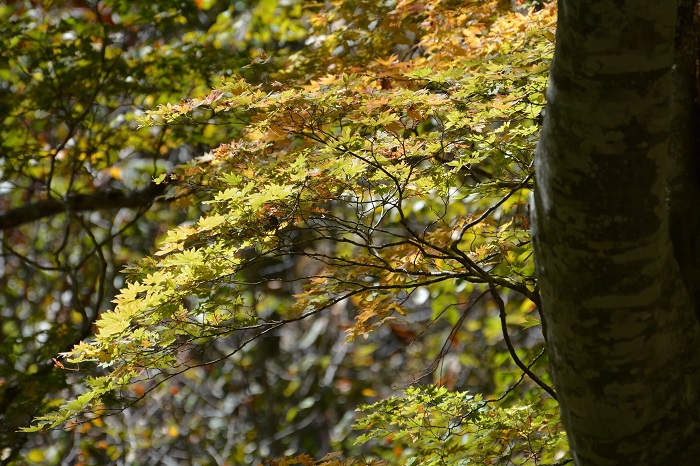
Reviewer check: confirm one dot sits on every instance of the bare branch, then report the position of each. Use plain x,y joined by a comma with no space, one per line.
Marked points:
511,349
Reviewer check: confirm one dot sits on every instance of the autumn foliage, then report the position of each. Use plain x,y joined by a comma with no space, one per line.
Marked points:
381,172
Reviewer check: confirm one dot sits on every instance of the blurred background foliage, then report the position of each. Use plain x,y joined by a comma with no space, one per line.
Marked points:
78,205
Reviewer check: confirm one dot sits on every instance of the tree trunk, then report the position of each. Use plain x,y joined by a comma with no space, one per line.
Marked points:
614,231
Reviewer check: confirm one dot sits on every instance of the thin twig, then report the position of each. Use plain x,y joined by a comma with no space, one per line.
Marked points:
509,344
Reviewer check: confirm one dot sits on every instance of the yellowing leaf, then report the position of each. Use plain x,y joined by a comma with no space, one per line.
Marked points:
36,456
369,392
420,73
387,61
115,172
210,222
111,323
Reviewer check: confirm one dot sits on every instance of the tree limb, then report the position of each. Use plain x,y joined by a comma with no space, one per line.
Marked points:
111,199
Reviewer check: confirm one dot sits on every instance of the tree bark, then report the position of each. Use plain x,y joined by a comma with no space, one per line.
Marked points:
622,328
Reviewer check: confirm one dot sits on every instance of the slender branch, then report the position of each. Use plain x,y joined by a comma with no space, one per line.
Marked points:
511,349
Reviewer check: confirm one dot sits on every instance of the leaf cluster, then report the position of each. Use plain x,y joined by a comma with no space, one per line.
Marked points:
434,426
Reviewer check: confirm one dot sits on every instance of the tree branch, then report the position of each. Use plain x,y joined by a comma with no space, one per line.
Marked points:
112,199
511,349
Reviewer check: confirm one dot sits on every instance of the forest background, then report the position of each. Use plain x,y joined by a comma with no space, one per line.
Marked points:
227,227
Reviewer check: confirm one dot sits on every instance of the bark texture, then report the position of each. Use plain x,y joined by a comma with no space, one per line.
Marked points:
622,327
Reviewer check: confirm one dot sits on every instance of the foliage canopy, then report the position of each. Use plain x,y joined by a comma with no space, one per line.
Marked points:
383,182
